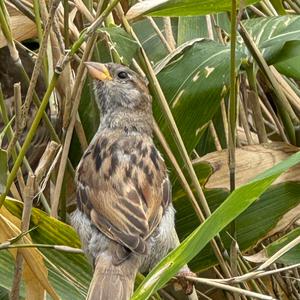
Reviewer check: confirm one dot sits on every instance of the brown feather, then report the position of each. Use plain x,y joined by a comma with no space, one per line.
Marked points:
113,282
121,187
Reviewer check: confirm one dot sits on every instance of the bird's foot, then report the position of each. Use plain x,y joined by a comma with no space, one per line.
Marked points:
182,283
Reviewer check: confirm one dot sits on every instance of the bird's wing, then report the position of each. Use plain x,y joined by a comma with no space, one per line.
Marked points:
123,187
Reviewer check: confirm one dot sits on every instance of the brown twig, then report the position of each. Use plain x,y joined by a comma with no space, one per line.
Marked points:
39,61
28,198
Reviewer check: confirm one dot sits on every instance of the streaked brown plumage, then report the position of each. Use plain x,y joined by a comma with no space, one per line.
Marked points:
125,217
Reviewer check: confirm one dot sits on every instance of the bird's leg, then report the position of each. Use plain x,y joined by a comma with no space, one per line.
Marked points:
182,283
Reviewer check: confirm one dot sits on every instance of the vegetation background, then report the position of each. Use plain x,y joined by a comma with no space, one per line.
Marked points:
224,76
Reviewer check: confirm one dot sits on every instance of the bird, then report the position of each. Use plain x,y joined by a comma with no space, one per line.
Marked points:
124,216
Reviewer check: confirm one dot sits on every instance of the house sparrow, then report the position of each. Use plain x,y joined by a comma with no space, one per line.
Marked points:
125,217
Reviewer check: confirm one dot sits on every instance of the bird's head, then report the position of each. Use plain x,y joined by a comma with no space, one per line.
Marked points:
117,86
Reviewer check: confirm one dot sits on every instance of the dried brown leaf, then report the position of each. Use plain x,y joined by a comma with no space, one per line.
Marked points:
250,161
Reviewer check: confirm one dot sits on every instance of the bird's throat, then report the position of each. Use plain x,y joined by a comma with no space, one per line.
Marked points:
130,122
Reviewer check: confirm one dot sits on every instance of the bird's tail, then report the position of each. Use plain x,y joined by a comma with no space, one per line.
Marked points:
113,282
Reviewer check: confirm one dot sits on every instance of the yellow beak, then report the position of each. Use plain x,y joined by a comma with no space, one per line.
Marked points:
98,71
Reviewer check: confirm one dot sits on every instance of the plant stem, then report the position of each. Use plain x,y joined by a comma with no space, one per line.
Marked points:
287,114
256,109
29,137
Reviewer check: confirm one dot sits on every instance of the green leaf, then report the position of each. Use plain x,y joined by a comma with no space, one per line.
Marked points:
176,8
4,294
121,41
293,255
278,6
271,34
194,77
149,39
3,170
7,264
232,207
287,30
69,273
290,67
190,28
252,225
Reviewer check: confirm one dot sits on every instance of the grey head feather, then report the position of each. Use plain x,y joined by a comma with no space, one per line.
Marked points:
124,101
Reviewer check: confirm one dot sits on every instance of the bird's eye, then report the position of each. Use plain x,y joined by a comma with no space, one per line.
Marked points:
122,75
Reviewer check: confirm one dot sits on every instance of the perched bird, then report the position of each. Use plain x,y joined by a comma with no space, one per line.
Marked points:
124,215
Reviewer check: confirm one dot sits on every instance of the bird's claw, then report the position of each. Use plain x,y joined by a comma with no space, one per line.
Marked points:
182,283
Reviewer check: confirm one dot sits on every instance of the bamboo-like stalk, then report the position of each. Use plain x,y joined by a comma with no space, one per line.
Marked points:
291,95
66,23
230,288
266,9
80,133
8,245
273,114
29,138
287,114
270,7
160,35
257,11
28,198
18,120
187,188
39,60
256,109
232,107
18,63
169,33
294,6
214,135
245,124
38,23
224,119
23,9
244,269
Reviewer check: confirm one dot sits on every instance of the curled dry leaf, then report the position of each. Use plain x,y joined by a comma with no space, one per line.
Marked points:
257,258
285,222
250,161
35,273
141,7
22,29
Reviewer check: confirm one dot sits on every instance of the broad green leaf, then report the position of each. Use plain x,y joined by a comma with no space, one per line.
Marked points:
270,35
231,208
69,273
290,67
176,8
252,225
4,294
194,79
3,170
290,50
149,39
7,264
190,28
287,30
121,41
293,255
